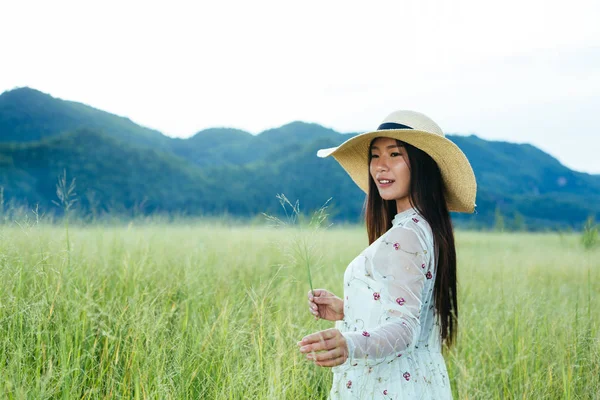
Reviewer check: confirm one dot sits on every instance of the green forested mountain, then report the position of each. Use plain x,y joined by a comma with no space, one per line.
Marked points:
123,168
224,146
28,115
109,174
220,146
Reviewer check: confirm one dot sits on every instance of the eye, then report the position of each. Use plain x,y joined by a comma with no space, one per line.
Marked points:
395,154
374,156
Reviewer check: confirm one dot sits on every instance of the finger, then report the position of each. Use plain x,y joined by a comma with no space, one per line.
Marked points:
318,346
323,300
319,336
331,363
316,293
326,355
327,344
313,308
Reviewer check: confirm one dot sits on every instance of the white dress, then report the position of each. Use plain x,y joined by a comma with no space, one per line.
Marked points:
393,338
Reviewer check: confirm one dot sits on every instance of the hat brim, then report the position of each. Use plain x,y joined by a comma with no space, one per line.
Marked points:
457,173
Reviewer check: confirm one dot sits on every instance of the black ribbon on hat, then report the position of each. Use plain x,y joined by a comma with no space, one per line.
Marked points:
392,125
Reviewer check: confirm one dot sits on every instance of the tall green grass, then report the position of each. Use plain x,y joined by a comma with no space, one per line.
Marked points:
175,311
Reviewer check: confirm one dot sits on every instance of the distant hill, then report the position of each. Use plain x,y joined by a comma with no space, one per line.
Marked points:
124,168
225,146
220,146
28,115
109,175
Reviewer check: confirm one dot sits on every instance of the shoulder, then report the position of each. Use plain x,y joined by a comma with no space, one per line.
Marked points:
415,223
413,232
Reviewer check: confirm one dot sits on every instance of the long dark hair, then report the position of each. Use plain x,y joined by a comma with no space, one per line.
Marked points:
428,198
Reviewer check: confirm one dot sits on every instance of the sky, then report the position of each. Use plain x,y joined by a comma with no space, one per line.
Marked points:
518,70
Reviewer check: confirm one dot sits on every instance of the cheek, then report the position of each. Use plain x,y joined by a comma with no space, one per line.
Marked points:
403,172
407,180
372,171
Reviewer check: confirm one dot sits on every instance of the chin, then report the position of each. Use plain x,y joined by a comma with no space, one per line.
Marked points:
387,197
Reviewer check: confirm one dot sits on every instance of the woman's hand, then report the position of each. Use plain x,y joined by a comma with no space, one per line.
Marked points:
326,348
325,305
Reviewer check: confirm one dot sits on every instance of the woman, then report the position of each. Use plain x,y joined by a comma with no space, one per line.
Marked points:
399,304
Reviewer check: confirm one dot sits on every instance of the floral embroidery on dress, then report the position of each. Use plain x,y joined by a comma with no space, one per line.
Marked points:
428,275
415,220
349,384
385,392
376,296
398,246
406,376
366,334
400,301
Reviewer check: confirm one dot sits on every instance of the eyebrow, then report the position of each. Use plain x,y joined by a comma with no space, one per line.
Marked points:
391,146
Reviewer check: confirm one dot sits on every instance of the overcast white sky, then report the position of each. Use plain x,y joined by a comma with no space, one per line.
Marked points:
515,70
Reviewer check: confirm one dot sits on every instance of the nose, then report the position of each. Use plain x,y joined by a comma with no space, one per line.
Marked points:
380,165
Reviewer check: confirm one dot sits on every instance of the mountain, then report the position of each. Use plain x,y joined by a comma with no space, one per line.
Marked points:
28,115
220,146
226,146
504,167
123,168
522,179
109,175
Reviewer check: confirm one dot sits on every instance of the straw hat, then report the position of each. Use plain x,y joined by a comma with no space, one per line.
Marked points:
420,131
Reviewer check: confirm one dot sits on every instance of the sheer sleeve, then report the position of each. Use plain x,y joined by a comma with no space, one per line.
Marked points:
401,263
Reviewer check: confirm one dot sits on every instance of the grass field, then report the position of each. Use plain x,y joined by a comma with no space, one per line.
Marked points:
169,311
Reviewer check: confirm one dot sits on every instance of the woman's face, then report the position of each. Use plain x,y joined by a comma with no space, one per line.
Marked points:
390,169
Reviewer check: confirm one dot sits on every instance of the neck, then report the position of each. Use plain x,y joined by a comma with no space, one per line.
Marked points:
403,204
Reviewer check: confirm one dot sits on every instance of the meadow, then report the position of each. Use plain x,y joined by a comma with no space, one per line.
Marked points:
213,310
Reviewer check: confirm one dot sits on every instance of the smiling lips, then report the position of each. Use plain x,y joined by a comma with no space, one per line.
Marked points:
385,182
